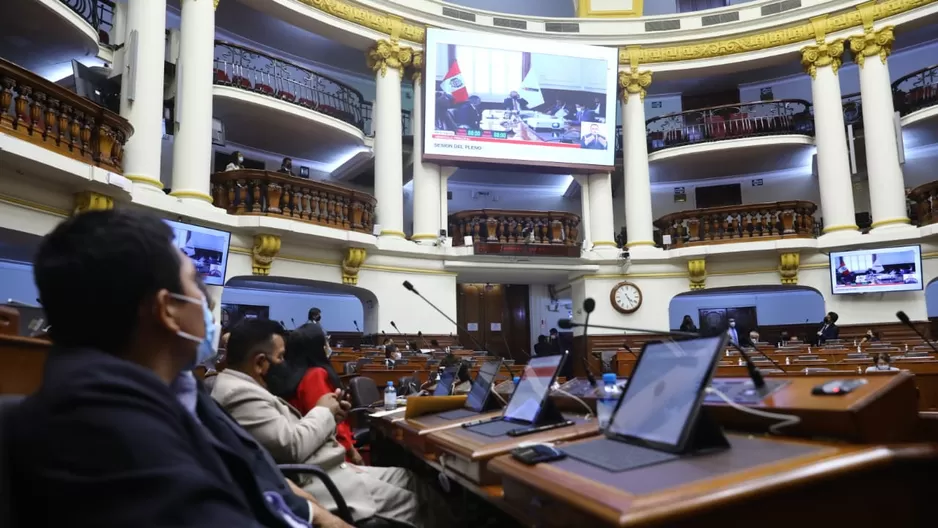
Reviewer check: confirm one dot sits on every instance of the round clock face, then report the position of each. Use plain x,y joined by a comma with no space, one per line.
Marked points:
626,297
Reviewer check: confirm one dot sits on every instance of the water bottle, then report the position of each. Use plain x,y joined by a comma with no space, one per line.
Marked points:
516,380
390,397
608,398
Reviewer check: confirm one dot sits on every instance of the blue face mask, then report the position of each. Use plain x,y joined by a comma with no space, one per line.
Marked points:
208,345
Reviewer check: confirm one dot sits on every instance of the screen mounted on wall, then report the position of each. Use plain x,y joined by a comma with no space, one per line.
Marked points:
208,249
877,270
519,101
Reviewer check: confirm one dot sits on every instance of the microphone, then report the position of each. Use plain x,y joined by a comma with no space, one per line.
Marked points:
294,322
282,324
398,330
754,373
905,320
357,329
424,339
588,306
629,350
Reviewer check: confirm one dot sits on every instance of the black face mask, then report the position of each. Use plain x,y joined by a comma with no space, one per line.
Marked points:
317,318
277,378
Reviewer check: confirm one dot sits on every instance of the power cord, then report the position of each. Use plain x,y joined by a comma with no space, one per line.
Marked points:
589,412
787,419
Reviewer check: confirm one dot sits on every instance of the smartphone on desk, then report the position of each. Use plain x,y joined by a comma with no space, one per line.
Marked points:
537,453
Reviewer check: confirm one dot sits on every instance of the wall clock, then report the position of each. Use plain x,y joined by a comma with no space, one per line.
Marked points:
626,297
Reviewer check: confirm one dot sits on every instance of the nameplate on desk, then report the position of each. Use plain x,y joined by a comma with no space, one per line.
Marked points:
421,405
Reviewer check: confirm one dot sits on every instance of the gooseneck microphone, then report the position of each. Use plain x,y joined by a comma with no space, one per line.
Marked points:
424,339
588,306
357,329
294,323
629,350
394,326
905,320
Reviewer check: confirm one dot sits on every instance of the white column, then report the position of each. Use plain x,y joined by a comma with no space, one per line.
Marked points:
601,219
146,21
833,162
388,60
192,142
887,184
585,226
426,175
119,23
445,173
638,216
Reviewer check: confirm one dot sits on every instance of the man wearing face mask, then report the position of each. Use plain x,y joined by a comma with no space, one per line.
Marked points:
105,439
732,333
314,322
829,329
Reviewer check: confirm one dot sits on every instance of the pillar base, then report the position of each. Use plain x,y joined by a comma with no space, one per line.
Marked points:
145,183
892,224
192,197
425,239
606,251
388,233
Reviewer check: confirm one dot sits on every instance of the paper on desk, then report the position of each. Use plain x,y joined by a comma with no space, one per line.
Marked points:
381,414
420,405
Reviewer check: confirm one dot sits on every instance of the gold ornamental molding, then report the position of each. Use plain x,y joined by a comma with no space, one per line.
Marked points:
390,25
389,54
634,80
351,265
416,65
91,201
265,250
215,4
795,34
788,264
873,44
697,273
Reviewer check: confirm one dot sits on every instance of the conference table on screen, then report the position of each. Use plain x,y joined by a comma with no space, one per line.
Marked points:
530,126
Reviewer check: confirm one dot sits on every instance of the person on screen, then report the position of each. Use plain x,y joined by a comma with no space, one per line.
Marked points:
237,161
515,102
469,114
594,140
444,102
597,107
582,115
286,166
882,363
558,109
844,276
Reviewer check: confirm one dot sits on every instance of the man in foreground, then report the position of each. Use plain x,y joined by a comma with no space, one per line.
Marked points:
255,351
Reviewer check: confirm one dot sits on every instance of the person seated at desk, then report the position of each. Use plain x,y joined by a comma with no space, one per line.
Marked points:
108,439
872,336
444,102
463,379
542,348
469,114
687,324
286,166
515,102
594,140
391,354
559,109
582,115
881,363
255,349
753,337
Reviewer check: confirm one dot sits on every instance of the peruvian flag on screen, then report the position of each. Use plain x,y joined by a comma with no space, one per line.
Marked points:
454,85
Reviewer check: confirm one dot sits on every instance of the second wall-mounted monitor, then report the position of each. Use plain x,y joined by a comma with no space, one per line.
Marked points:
519,101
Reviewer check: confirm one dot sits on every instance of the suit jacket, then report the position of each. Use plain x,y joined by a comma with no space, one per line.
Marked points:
313,328
584,116
510,104
831,332
106,443
292,438
468,116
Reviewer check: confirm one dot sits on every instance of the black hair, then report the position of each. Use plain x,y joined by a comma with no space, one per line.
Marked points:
463,374
553,331
413,346
248,335
313,312
884,356
388,350
834,317
95,270
306,349
434,343
541,339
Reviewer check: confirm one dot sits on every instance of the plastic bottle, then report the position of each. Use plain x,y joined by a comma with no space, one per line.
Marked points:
608,398
390,397
516,380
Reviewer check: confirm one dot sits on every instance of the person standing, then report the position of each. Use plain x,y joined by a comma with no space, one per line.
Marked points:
732,333
829,329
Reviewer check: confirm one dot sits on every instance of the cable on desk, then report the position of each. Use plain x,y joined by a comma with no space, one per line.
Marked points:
787,419
589,412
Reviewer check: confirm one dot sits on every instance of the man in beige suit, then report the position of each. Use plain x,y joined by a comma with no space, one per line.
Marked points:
255,348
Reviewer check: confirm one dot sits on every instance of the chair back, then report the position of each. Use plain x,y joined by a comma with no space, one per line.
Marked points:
7,403
408,385
364,391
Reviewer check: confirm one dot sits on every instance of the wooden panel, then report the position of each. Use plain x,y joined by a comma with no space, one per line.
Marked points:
23,359
504,305
517,322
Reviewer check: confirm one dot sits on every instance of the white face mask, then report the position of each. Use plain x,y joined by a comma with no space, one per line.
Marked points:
882,367
732,324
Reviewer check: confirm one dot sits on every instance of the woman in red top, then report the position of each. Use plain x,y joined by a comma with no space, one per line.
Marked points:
311,379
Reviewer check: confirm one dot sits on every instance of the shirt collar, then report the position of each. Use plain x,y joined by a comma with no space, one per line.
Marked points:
186,389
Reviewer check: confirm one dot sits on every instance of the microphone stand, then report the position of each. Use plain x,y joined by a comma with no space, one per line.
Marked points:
424,339
905,320
588,306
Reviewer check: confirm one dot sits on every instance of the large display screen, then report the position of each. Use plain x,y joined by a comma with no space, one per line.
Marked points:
664,389
208,249
539,373
520,101
877,270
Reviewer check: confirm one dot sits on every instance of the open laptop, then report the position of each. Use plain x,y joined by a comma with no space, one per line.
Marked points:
658,417
444,385
478,394
528,406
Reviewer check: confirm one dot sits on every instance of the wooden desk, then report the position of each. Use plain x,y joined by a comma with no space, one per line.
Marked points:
468,453
759,481
23,360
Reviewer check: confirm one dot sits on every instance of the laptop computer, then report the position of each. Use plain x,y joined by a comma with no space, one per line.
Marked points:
658,417
478,394
529,406
444,385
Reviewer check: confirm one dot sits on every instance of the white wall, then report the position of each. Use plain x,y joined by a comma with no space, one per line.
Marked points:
772,308
338,311
541,317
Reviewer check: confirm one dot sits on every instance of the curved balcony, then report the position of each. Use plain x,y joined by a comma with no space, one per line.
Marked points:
853,110
916,91
272,194
534,233
739,223
56,119
924,200
98,13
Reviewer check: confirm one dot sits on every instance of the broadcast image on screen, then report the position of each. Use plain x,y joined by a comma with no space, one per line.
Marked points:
535,383
208,249
519,100
876,270
664,388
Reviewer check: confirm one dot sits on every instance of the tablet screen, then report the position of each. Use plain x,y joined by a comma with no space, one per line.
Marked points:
482,385
444,386
535,382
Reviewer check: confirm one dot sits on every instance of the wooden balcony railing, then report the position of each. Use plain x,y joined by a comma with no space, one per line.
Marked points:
924,203
266,193
53,117
739,223
762,118
916,90
546,233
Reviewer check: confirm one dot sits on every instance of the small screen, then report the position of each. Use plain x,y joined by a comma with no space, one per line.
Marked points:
877,270
444,386
535,383
482,385
207,248
664,388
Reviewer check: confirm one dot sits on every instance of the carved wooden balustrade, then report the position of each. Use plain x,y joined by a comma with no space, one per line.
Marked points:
916,90
924,203
547,233
55,118
739,223
266,193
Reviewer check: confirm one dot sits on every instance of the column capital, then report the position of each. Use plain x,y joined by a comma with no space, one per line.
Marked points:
91,201
266,248
788,264
634,81
215,4
872,43
389,54
697,273
351,264
416,66
821,55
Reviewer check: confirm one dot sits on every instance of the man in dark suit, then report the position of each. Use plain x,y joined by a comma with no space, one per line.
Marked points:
469,114
829,329
105,439
583,115
515,102
594,140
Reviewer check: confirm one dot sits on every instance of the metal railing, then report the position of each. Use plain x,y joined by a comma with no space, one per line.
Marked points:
916,90
98,13
853,110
